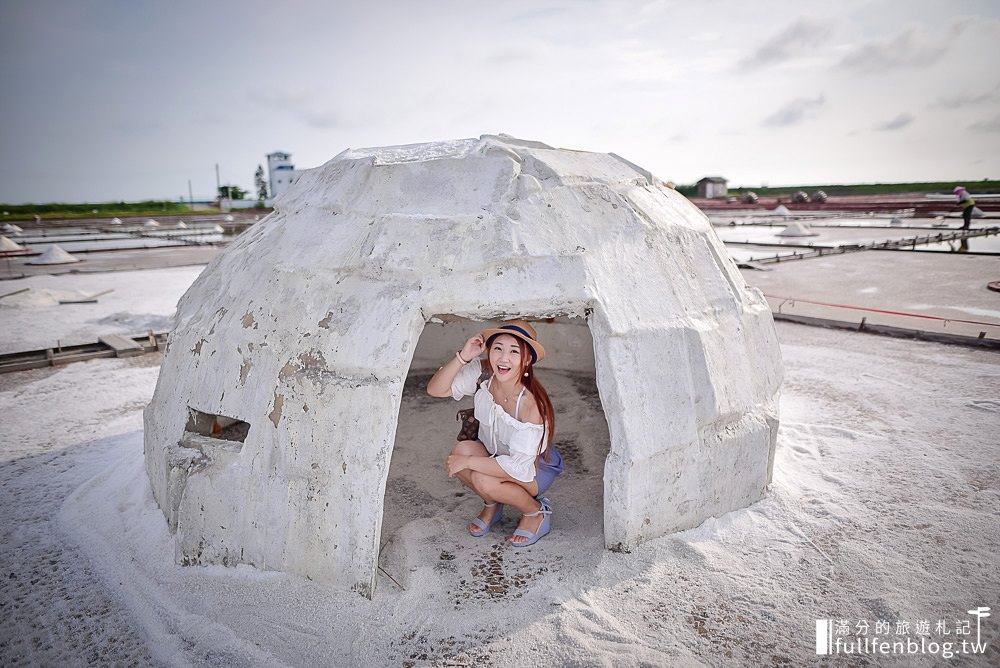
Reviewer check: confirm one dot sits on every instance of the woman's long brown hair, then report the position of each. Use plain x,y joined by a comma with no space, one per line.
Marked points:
531,383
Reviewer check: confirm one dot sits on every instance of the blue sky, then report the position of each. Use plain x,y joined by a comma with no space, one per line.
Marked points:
129,99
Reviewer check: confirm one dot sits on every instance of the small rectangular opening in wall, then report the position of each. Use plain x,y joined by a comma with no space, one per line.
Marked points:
217,426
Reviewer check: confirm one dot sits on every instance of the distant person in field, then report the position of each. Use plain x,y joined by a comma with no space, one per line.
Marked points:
967,203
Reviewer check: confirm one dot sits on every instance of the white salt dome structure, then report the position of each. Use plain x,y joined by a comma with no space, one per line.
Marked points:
797,229
269,436
780,210
54,255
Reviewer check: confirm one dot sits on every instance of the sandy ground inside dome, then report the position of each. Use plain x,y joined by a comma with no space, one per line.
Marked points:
882,509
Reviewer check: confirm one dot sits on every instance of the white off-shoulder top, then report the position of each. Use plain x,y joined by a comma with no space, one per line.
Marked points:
513,443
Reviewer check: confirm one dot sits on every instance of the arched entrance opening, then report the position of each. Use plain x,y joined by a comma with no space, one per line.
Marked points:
425,513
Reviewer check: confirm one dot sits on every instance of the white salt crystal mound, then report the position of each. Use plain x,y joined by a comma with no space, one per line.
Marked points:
8,246
780,210
305,326
151,223
797,229
54,255
116,221
10,228
181,225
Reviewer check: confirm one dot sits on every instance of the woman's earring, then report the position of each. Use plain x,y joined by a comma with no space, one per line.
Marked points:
525,374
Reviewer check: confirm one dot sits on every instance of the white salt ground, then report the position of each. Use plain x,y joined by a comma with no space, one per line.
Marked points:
883,506
140,301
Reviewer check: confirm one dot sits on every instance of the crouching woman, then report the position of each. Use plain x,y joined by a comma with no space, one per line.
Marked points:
513,461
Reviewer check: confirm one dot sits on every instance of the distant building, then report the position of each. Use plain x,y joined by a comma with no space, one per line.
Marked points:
711,187
281,172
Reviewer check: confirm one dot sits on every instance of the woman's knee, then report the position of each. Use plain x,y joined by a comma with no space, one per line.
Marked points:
468,448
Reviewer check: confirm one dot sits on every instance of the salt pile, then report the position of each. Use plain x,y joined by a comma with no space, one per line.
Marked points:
41,298
797,229
151,223
181,225
10,228
54,255
8,246
780,210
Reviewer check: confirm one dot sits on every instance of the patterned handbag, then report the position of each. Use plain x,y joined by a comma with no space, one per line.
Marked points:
470,425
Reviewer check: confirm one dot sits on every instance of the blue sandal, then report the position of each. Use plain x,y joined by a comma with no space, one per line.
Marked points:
543,528
483,528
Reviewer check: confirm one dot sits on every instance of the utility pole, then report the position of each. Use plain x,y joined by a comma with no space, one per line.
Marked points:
190,195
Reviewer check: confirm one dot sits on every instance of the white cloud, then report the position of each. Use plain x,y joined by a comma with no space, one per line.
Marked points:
795,112
637,61
800,38
898,123
988,125
908,49
706,37
321,120
967,99
511,55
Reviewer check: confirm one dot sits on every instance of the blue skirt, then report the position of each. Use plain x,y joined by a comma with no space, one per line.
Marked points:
547,471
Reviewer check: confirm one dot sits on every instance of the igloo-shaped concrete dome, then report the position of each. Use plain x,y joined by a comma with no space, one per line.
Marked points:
269,436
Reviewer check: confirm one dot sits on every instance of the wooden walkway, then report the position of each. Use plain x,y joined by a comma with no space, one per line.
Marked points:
112,345
907,244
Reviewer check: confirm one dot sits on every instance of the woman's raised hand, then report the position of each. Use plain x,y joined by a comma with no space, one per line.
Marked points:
473,348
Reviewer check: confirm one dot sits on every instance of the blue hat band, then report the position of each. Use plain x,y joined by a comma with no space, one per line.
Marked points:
515,328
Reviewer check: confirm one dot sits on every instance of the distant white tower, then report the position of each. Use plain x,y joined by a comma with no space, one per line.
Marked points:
281,172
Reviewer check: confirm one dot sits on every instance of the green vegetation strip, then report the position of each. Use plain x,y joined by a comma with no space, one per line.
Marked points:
87,210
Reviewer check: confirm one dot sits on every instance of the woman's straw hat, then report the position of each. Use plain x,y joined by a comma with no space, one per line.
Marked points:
522,330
